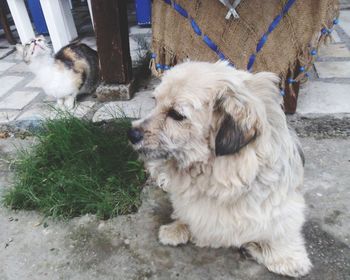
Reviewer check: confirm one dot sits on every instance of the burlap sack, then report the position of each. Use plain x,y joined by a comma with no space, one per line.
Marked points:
289,50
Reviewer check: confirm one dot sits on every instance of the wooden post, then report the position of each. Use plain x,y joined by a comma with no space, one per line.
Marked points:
291,92
112,39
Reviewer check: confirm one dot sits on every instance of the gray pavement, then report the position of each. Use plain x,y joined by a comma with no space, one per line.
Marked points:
126,247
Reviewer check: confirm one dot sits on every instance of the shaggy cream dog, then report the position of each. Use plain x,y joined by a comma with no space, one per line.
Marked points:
218,143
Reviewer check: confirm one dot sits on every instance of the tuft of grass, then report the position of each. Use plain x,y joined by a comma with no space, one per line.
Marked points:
78,167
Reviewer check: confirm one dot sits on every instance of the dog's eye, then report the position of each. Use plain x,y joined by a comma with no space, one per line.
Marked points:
175,115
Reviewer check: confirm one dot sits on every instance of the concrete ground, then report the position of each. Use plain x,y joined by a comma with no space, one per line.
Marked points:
126,247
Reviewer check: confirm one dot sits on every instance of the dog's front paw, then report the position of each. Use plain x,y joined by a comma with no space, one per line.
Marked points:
163,182
291,267
291,262
174,234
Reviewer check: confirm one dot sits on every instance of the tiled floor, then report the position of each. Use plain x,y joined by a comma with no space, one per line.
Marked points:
23,101
329,92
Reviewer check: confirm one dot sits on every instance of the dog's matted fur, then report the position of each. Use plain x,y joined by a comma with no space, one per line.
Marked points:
218,143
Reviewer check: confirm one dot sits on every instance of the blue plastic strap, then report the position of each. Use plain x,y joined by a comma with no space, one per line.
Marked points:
159,66
261,42
180,10
274,23
221,56
197,30
195,27
210,43
324,30
251,62
272,27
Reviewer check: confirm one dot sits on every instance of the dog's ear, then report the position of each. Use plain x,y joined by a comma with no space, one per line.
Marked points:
235,129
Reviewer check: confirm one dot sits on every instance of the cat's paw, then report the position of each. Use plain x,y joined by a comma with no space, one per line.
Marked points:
69,103
60,103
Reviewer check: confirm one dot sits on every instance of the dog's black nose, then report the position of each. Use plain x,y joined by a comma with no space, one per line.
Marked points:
135,135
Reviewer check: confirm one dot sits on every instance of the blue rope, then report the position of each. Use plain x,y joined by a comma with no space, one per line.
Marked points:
210,43
259,46
160,66
180,10
196,28
302,69
271,28
251,61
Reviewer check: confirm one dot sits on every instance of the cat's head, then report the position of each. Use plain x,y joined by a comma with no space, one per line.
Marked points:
34,48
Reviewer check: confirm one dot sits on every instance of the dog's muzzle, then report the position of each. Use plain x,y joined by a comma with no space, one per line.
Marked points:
135,135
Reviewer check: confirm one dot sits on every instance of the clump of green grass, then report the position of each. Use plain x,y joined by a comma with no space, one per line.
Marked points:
78,167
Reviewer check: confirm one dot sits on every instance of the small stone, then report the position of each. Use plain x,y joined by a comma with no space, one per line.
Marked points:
109,92
11,219
8,242
4,135
127,242
101,226
47,231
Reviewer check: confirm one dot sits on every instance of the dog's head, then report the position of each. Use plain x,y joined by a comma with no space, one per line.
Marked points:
204,110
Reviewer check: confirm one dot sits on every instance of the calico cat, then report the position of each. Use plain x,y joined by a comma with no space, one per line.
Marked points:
73,70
